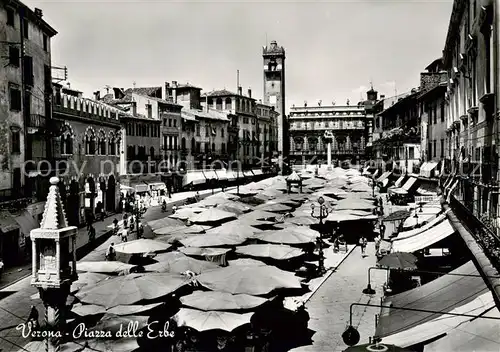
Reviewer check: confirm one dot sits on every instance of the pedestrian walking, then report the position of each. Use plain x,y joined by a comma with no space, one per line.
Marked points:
33,318
111,253
140,230
174,209
125,220
124,235
377,243
382,230
362,243
91,233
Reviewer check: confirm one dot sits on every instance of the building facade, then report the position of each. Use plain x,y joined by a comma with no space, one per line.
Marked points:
86,149
348,124
274,90
25,98
398,149
471,57
432,109
242,113
267,119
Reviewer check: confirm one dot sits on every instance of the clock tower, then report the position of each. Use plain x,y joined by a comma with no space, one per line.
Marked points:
274,89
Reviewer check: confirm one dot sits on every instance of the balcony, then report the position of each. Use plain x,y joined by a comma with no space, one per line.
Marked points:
36,123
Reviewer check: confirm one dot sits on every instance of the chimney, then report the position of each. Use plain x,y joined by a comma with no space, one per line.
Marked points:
134,108
174,92
38,13
240,91
165,91
97,95
206,103
249,92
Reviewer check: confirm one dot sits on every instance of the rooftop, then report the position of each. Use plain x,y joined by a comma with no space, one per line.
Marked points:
219,93
192,114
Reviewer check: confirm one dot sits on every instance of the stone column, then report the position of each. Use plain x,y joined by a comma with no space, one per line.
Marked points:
329,155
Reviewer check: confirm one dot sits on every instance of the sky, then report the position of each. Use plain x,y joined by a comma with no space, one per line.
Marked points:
334,49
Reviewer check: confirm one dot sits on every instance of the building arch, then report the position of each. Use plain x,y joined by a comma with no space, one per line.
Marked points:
111,143
152,152
183,143
101,142
90,194
73,203
229,103
67,137
90,141
218,104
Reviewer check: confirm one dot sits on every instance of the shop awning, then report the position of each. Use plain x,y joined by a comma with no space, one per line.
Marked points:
430,224
399,181
476,335
442,324
443,294
257,172
140,187
7,222
231,175
409,183
157,186
384,176
26,222
427,189
248,173
423,239
385,182
221,175
210,175
194,177
427,168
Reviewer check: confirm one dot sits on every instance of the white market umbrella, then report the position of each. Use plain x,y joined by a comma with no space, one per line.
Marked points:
274,251
250,279
104,267
209,300
177,262
211,215
204,321
130,289
132,309
287,236
141,246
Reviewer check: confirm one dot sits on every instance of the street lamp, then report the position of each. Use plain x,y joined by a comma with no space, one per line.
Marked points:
323,213
54,263
351,335
373,186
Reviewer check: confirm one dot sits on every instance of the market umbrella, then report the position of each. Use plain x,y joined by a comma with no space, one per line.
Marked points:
177,262
251,279
214,240
275,251
88,309
203,321
399,260
132,309
165,222
130,289
347,215
199,251
234,227
304,230
211,215
286,236
274,208
258,216
104,267
141,246
354,204
381,347
186,213
185,230
246,261
302,220
88,278
114,323
209,300
218,198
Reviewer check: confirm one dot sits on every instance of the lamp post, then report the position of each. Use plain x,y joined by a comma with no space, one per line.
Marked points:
351,335
323,213
54,264
373,186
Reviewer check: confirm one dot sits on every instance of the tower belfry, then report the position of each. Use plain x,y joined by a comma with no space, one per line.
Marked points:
274,88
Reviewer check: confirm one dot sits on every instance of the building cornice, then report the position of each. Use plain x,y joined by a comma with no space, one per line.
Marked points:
453,29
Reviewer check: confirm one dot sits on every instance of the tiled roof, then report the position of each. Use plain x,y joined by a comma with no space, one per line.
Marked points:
219,93
187,85
143,90
110,99
189,114
155,99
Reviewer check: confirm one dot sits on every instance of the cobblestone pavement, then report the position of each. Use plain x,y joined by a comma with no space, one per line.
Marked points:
329,306
16,301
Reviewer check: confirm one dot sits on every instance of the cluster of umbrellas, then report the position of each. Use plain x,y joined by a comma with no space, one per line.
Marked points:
273,227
